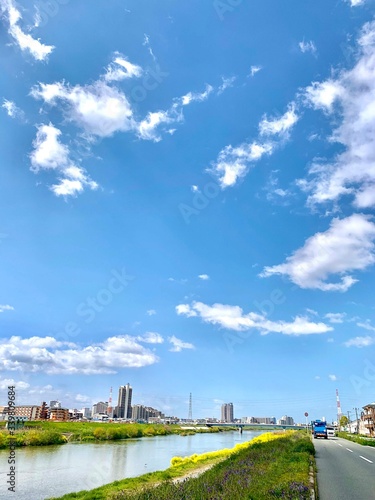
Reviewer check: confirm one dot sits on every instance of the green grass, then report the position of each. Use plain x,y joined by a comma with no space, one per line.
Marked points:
355,438
40,433
268,467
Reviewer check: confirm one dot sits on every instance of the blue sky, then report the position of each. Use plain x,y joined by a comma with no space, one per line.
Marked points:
187,203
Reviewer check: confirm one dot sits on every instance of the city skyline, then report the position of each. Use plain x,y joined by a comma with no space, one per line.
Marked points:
191,217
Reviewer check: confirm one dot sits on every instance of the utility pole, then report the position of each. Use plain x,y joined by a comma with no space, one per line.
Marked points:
356,415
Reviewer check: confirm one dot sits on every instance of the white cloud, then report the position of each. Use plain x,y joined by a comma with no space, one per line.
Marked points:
233,318
49,356
178,344
99,109
356,3
196,96
195,189
204,277
360,342
151,338
350,97
332,377
4,307
148,128
50,154
227,83
12,110
121,69
254,70
367,326
307,47
25,41
345,247
9,382
282,125
335,317
151,312
233,162
146,43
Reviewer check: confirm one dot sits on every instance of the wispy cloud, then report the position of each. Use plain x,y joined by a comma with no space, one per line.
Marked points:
233,318
348,245
151,312
204,277
25,41
307,47
178,345
254,70
12,110
360,341
332,377
121,69
336,317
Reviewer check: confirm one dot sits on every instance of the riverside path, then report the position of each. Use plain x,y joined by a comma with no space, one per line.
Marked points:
346,470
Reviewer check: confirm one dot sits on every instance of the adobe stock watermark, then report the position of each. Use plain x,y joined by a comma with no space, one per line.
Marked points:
47,9
223,7
266,308
200,201
152,78
94,305
366,380
11,475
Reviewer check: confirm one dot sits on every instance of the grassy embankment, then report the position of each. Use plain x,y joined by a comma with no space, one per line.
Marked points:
355,438
45,433
269,466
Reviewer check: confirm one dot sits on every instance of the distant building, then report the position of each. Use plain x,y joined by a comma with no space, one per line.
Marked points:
227,412
99,407
3,412
59,414
86,412
75,414
124,405
259,420
368,418
144,413
285,420
43,411
30,412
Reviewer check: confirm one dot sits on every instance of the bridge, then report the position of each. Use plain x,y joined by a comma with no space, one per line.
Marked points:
256,426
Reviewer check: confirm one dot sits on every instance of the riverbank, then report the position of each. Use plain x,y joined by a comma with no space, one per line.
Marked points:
42,433
269,466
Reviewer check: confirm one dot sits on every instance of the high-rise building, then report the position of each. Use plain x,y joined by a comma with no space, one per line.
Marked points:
99,407
124,409
227,412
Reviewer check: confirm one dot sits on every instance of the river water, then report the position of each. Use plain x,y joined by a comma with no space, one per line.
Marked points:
52,471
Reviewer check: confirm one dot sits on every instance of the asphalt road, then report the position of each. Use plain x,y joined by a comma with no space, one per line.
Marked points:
346,470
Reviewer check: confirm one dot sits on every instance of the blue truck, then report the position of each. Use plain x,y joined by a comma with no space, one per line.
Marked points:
319,429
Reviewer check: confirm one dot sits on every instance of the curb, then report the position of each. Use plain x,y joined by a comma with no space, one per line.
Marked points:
313,495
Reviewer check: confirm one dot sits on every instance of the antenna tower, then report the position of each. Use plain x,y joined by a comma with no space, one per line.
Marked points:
339,412
190,417
109,408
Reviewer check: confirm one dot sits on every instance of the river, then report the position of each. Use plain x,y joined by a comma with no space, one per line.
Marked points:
44,472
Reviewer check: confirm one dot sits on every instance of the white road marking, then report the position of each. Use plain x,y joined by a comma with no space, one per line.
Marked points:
367,460
351,451
339,444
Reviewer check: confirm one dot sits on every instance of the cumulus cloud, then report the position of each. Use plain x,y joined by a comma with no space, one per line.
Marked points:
47,355
348,245
360,341
356,3
50,154
332,377
233,163
5,307
9,382
151,312
255,69
233,318
25,41
178,345
349,98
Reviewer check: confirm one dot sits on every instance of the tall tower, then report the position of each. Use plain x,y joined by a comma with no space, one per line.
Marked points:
339,412
190,417
125,401
109,408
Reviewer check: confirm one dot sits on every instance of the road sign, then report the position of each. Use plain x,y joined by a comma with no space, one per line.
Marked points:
306,414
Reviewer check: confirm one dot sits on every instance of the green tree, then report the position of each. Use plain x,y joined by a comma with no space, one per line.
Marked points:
344,421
